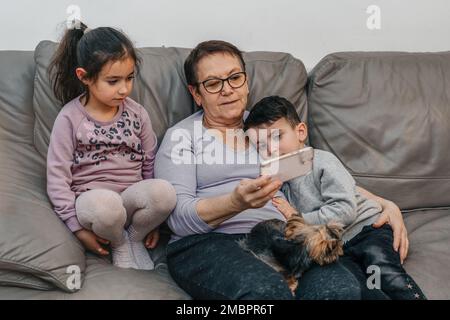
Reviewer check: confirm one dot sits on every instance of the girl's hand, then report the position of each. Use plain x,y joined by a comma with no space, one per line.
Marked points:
152,239
392,215
284,207
253,193
92,242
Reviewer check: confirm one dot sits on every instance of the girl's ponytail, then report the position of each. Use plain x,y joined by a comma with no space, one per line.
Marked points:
65,83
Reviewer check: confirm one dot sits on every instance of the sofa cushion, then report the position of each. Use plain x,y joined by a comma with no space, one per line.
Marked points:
429,251
386,116
16,96
162,89
30,255
276,73
105,282
36,248
26,280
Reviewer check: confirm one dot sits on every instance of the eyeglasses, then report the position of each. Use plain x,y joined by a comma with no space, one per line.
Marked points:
215,85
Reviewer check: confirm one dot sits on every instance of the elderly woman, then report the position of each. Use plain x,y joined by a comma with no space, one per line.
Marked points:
220,195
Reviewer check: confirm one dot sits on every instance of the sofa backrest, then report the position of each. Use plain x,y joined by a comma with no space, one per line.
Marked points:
386,116
16,92
162,89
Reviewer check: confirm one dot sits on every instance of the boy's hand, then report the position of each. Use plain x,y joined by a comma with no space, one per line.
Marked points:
92,242
284,207
152,239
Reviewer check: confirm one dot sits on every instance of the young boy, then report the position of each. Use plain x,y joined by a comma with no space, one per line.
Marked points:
327,194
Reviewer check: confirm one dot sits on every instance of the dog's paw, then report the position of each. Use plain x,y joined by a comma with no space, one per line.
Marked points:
293,226
292,283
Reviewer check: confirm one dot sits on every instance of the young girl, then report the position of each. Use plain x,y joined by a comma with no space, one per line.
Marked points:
102,149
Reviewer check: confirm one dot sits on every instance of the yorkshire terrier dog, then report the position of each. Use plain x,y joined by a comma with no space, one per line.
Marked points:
291,247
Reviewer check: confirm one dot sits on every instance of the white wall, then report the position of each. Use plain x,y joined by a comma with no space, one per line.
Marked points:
309,29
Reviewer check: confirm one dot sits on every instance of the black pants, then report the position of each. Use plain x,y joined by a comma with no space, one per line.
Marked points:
214,266
373,247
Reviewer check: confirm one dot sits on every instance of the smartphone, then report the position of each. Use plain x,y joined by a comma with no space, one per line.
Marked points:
289,166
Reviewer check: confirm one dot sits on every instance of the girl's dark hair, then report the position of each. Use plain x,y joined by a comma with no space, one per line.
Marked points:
204,49
89,50
271,109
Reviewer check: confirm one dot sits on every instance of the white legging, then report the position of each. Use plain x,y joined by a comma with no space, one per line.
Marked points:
144,205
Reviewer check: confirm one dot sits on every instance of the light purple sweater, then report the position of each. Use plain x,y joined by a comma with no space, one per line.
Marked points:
203,178
88,154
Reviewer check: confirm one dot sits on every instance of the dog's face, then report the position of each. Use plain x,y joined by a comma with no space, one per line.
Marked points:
323,242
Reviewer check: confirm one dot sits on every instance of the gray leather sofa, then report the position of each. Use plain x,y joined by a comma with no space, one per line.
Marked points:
385,115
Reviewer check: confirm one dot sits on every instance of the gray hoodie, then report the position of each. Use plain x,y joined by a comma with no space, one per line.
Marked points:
328,194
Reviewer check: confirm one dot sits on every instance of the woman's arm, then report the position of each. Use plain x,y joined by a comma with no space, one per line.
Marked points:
250,193
174,162
193,215
391,214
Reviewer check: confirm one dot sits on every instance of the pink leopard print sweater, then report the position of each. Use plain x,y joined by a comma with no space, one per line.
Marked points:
86,154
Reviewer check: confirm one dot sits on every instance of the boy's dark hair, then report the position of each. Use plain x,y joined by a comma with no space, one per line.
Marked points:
204,49
271,109
91,51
